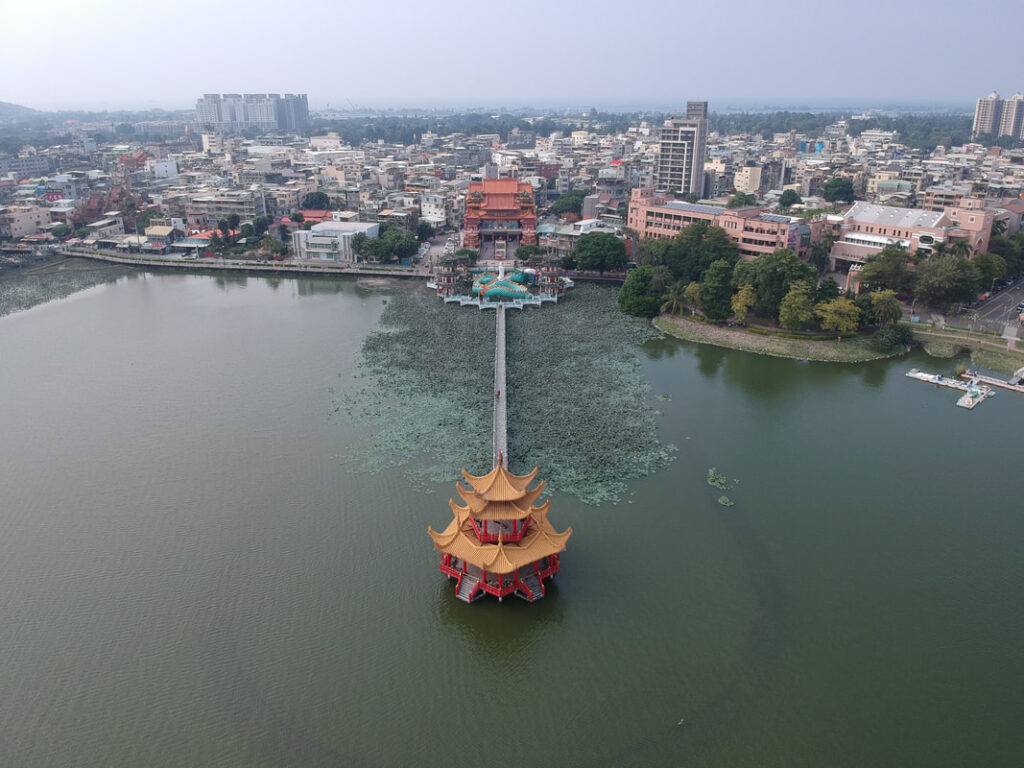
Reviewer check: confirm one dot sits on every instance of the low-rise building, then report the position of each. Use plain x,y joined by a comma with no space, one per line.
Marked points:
653,216
17,221
331,241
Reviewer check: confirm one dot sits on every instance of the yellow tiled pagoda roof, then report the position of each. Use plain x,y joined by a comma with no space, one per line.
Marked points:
483,509
499,484
541,540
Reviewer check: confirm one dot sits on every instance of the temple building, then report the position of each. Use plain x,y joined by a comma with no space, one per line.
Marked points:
500,216
500,542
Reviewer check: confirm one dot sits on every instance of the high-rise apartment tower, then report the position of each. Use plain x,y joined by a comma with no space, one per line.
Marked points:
682,143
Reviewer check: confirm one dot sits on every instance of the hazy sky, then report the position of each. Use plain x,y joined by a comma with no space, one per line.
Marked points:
120,54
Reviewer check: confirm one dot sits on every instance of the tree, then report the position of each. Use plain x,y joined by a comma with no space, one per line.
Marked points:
890,268
528,252
637,297
772,275
466,254
216,243
394,244
744,300
570,202
690,252
600,251
692,296
358,242
998,227
716,290
81,233
225,228
261,224
838,188
61,230
283,232
675,299
424,231
838,315
886,306
827,290
990,268
297,217
661,277
789,198
866,307
233,220
961,248
796,310
943,280
248,231
316,201
1010,249
146,217
740,200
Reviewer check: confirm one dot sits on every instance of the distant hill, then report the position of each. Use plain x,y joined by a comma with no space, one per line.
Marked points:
10,111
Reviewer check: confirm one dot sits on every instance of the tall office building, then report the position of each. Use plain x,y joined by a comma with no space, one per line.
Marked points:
1011,123
987,114
234,112
682,143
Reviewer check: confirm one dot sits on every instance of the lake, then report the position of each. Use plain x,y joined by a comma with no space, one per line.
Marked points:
196,571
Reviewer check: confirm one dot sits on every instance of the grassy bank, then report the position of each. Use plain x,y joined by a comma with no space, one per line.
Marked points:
985,350
851,350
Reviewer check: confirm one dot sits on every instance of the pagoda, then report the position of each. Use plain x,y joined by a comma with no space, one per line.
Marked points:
499,542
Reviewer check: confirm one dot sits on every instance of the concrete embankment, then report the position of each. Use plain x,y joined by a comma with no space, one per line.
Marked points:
269,267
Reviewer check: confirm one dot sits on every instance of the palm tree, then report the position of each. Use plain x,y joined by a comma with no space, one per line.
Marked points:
233,220
660,277
961,248
646,256
675,300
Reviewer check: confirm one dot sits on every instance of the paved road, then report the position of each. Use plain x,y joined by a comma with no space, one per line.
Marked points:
1000,307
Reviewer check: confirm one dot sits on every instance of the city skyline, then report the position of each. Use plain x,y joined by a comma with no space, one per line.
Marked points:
452,56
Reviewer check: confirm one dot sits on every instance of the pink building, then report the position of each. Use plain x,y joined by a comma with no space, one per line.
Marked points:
654,216
868,228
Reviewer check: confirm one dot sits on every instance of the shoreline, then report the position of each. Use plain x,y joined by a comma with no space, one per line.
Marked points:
855,350
942,345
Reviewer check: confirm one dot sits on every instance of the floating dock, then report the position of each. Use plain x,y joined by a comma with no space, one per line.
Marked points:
1015,383
974,391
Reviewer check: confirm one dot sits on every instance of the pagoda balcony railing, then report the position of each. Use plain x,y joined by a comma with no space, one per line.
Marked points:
488,533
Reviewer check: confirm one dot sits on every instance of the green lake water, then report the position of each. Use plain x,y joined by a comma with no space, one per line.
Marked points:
196,571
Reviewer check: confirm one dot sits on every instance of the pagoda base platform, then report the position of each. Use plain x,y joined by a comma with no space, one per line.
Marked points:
528,585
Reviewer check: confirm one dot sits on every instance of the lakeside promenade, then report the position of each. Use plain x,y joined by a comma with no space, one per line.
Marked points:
239,265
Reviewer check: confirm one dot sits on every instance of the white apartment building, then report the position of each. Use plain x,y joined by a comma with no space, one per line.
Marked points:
330,241
437,209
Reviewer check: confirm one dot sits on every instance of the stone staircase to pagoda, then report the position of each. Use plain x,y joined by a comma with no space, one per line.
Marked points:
467,585
532,583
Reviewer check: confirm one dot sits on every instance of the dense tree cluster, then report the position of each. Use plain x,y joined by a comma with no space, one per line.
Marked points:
392,245
570,202
951,275
599,251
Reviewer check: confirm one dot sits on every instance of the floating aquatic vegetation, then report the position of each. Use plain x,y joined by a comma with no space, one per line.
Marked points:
725,501
578,404
21,290
716,479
